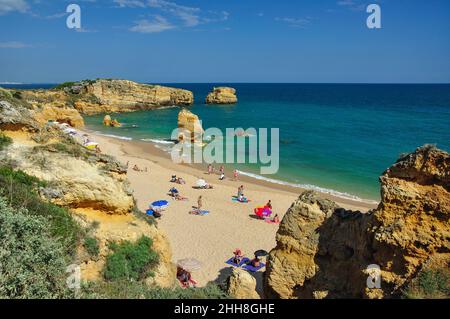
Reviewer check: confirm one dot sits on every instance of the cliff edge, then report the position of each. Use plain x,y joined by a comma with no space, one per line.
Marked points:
324,251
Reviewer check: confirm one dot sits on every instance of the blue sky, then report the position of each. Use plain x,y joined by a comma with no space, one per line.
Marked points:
164,41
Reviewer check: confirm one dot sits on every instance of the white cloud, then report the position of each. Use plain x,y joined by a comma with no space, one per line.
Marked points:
13,45
351,4
7,6
181,15
130,3
295,22
158,24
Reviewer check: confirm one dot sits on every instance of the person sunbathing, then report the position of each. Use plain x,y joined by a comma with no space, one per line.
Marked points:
183,276
136,168
276,219
173,192
255,262
157,212
180,197
173,179
180,180
237,256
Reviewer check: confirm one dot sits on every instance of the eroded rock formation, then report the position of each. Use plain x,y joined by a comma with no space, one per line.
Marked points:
189,125
93,186
65,102
323,251
124,96
242,285
222,95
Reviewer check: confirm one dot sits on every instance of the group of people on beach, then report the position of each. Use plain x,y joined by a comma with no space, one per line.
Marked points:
212,170
238,256
185,278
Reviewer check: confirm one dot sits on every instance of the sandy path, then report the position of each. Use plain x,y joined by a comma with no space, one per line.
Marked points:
211,238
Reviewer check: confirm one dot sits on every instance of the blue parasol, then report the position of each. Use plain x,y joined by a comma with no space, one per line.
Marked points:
160,204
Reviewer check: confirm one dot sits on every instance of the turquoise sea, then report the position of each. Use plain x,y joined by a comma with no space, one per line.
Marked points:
336,137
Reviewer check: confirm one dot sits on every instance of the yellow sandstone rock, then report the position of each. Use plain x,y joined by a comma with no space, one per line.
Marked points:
222,95
325,251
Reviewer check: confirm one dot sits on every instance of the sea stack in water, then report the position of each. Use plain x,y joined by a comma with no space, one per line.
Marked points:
328,252
189,125
107,121
222,95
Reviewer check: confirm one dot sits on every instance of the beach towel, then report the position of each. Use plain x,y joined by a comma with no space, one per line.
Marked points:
254,269
235,199
243,261
200,213
269,221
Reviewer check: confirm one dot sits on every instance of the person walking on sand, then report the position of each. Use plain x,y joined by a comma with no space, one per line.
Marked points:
222,170
199,203
235,174
240,192
210,169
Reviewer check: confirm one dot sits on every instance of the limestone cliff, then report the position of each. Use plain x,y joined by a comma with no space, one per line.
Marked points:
106,96
93,186
189,125
222,95
323,251
67,101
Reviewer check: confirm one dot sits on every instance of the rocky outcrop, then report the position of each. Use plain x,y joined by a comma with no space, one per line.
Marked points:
60,114
189,126
241,285
107,121
95,182
222,95
65,102
324,251
94,186
107,96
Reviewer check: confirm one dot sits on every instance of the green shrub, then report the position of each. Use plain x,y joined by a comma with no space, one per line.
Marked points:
20,190
129,260
21,177
32,262
124,289
91,246
4,141
64,85
430,283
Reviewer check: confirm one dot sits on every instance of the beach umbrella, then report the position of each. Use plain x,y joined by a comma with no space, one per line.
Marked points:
201,183
261,253
160,204
189,264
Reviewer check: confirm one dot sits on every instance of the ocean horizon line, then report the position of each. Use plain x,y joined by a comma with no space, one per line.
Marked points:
269,83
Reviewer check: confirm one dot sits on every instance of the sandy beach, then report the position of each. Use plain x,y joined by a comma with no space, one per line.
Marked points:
229,225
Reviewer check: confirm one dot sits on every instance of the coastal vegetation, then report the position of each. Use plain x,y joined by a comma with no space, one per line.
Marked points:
39,239
125,289
21,193
431,283
33,262
131,261
91,245
4,141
